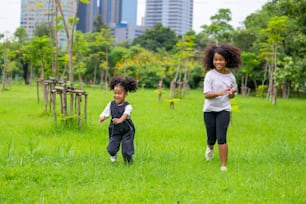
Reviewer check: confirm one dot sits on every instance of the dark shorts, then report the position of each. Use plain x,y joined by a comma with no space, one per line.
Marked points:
216,124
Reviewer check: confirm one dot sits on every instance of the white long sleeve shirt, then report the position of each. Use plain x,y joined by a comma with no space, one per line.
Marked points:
107,111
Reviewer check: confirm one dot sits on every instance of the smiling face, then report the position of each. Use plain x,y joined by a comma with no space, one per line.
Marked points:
119,94
219,63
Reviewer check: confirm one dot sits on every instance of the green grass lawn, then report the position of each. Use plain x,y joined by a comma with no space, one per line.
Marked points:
44,163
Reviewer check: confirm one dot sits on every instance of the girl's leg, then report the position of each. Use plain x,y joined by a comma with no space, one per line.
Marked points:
114,144
223,152
128,147
223,120
210,124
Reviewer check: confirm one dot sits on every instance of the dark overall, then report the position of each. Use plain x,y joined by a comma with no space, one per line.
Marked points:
124,132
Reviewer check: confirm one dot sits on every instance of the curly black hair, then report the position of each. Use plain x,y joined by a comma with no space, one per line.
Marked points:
230,53
129,84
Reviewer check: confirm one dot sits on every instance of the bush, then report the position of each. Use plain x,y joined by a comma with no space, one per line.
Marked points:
261,90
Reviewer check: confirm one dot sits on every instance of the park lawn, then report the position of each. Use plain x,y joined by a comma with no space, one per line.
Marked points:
44,163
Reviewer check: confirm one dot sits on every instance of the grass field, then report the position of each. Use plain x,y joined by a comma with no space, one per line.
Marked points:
44,163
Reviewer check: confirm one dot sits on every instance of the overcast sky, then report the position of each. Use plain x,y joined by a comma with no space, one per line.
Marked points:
203,10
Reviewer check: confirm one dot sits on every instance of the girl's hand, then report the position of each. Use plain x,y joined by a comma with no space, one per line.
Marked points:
232,92
116,121
121,119
102,118
224,91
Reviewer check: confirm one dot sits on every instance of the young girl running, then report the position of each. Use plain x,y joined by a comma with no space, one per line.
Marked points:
121,128
219,86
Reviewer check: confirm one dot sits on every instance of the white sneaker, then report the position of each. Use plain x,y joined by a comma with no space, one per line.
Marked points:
113,158
223,168
209,153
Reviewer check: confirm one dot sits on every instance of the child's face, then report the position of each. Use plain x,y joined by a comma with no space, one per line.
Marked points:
119,94
219,62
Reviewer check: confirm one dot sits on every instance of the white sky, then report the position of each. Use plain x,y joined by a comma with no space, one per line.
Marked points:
203,10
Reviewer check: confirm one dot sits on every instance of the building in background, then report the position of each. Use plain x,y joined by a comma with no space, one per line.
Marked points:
174,14
110,10
125,32
153,13
119,15
129,12
87,14
126,29
37,12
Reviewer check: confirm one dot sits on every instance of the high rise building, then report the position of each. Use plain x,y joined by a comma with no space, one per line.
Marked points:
129,12
126,29
36,12
124,32
87,14
110,10
175,14
119,15
118,11
153,13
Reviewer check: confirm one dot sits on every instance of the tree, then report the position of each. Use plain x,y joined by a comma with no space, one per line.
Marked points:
288,75
40,51
21,35
80,50
250,61
42,29
294,37
275,34
98,61
6,61
185,51
95,55
220,29
144,65
244,39
69,30
98,23
156,38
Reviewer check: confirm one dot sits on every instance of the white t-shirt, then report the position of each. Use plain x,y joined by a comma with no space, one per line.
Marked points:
106,112
215,81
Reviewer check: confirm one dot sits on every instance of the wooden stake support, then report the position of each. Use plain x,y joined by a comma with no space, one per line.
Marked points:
75,96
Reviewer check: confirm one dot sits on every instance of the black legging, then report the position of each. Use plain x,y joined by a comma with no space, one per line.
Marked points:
216,126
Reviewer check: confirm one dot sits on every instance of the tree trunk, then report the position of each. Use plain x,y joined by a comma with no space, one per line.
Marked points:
274,77
174,81
6,61
3,79
95,72
69,36
70,58
186,78
270,86
42,74
25,67
255,85
53,36
244,88
80,80
266,72
172,88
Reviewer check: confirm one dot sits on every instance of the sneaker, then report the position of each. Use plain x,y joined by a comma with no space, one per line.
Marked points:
223,168
113,158
209,153
128,162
